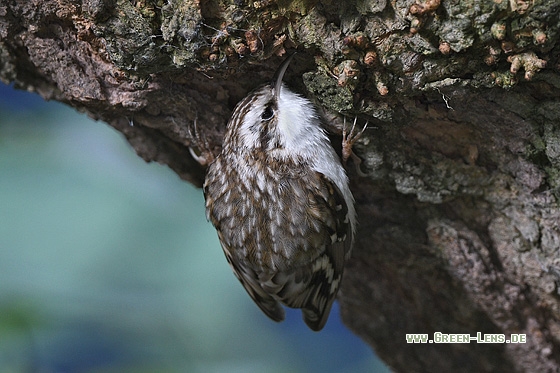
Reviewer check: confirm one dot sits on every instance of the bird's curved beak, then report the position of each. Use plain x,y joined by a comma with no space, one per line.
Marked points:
277,80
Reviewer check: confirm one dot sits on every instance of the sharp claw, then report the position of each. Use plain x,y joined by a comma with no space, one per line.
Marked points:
200,144
353,125
348,140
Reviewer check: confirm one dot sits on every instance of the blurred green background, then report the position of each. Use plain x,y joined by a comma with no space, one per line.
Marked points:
107,264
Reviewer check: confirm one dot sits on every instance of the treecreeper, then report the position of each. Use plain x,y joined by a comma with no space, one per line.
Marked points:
279,199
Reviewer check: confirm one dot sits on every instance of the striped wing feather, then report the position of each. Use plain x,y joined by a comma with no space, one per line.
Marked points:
299,260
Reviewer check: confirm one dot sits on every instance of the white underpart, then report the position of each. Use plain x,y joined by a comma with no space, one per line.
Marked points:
301,132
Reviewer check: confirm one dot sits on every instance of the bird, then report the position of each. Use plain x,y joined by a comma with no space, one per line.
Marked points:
280,201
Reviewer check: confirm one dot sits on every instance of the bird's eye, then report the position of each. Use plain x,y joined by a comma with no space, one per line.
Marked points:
267,113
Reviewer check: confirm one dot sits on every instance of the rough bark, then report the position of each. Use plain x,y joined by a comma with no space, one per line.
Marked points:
459,207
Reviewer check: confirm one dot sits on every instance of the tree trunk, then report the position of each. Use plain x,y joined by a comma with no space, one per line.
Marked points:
459,186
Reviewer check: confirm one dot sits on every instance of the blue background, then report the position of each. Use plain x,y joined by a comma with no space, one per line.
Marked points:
107,264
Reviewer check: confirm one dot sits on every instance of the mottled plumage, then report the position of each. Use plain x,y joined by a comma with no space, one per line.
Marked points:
279,199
